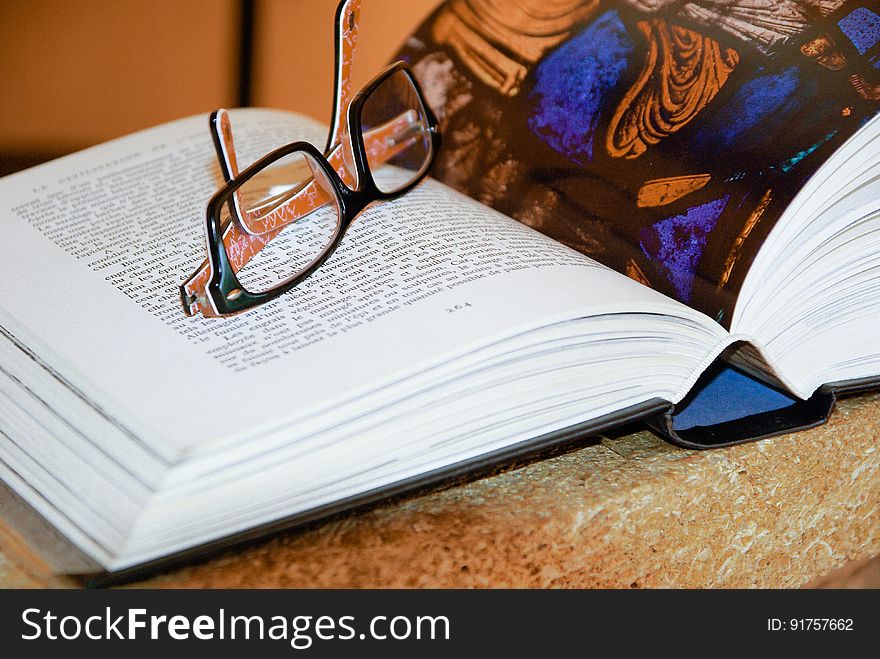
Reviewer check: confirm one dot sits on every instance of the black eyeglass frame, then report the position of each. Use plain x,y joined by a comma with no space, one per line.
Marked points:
224,290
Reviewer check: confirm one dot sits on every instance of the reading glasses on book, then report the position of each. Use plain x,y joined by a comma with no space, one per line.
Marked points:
277,221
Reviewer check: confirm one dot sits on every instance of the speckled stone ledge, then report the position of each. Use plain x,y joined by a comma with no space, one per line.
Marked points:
627,512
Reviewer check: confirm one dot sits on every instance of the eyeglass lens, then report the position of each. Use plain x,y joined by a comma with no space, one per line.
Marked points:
295,191
396,136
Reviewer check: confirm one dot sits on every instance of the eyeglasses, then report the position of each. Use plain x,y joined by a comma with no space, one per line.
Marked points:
276,222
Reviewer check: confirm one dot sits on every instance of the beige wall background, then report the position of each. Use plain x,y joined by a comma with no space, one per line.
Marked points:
78,72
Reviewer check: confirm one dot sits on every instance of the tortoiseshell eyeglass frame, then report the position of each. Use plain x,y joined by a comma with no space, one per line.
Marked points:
214,289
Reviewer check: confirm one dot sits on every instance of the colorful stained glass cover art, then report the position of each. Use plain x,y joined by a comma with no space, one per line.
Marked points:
662,138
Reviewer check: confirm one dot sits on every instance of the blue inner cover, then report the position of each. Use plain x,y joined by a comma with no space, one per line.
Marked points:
723,394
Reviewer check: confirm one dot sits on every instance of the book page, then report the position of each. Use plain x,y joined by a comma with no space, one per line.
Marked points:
97,243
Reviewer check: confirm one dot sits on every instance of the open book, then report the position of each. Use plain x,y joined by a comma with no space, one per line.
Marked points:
441,337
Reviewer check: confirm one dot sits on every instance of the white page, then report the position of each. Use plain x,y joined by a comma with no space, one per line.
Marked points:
130,212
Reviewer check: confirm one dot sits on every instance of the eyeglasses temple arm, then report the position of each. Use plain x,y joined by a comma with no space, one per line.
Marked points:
346,29
348,15
224,145
221,133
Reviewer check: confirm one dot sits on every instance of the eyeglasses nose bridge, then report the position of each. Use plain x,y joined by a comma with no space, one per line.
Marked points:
319,176
349,176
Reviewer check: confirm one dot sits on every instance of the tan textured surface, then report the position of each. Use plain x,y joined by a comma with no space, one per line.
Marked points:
13,576
856,574
628,512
